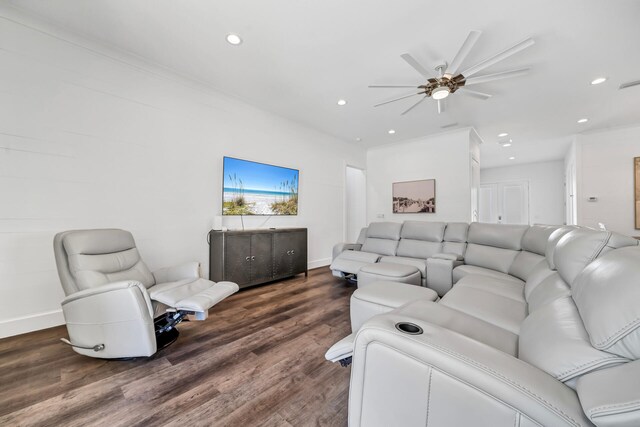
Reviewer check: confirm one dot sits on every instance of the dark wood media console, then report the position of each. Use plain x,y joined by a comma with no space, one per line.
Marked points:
252,257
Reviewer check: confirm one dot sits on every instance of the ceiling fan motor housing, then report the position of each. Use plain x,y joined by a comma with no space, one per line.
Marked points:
448,81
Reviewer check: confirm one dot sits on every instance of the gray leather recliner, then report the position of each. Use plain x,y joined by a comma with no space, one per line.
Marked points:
115,307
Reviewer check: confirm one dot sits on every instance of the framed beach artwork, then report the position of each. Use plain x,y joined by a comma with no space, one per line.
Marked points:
414,196
636,189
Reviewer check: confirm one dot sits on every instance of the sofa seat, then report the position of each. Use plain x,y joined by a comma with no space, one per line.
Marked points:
466,270
389,272
352,261
487,306
420,264
502,287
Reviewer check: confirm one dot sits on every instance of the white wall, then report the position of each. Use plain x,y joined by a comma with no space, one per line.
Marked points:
546,188
94,138
604,166
444,157
355,203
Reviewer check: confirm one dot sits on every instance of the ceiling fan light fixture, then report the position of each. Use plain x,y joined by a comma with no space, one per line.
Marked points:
234,39
440,93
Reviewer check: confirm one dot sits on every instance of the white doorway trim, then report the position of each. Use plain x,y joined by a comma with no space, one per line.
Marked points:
360,198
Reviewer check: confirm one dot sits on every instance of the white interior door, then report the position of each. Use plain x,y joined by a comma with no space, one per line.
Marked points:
505,202
355,202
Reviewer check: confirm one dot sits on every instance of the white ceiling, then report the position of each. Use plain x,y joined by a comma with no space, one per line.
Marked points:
300,56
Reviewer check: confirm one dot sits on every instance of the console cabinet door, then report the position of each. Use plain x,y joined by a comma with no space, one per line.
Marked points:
281,255
298,243
237,258
261,257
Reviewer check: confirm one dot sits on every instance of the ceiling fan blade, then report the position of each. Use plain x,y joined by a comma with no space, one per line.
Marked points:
466,47
497,76
629,84
392,86
398,99
475,94
497,58
416,66
414,105
440,106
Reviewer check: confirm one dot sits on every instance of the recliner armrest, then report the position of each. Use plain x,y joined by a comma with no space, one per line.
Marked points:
451,257
341,247
449,379
188,270
440,273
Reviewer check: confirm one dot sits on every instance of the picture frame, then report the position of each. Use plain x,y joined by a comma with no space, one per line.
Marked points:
414,196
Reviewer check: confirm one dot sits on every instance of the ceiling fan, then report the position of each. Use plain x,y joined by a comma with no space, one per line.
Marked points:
447,80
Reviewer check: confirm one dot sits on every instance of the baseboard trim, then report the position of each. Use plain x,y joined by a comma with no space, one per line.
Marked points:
318,263
33,322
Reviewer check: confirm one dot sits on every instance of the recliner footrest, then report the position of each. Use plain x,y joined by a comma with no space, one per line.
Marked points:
341,350
197,295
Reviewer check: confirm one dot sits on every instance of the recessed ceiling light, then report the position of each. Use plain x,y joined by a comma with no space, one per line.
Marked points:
342,102
391,131
598,80
506,144
512,158
502,135
583,120
234,39
358,139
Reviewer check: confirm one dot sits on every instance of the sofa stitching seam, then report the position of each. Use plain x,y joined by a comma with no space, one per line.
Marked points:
588,364
429,396
626,405
605,343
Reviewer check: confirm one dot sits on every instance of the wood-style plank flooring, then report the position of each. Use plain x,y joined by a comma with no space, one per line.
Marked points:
258,360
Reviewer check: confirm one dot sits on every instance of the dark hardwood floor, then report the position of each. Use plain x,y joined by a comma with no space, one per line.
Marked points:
258,360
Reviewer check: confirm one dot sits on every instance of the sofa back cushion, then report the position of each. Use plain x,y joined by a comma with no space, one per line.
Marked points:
536,237
505,236
552,243
490,257
456,232
553,338
578,248
607,294
420,239
524,263
382,238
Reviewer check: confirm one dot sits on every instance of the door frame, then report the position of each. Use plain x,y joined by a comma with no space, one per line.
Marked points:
345,213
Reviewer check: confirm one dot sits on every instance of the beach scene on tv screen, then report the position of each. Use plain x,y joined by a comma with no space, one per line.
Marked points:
252,188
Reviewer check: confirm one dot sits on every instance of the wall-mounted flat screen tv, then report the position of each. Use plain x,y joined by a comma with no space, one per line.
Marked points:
252,188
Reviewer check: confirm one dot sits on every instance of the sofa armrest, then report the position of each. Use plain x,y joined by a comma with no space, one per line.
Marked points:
188,270
440,274
118,315
448,256
611,397
442,378
341,247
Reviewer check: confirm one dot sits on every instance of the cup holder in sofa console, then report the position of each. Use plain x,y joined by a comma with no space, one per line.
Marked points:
409,328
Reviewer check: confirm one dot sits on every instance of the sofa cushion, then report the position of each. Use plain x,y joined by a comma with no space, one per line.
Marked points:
490,257
352,261
554,339
552,243
550,289
487,306
524,263
465,270
423,230
382,238
607,294
456,232
508,288
536,276
420,264
576,249
536,237
457,248
418,248
504,236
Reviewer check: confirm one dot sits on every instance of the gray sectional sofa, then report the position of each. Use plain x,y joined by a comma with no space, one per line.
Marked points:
444,253
541,333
